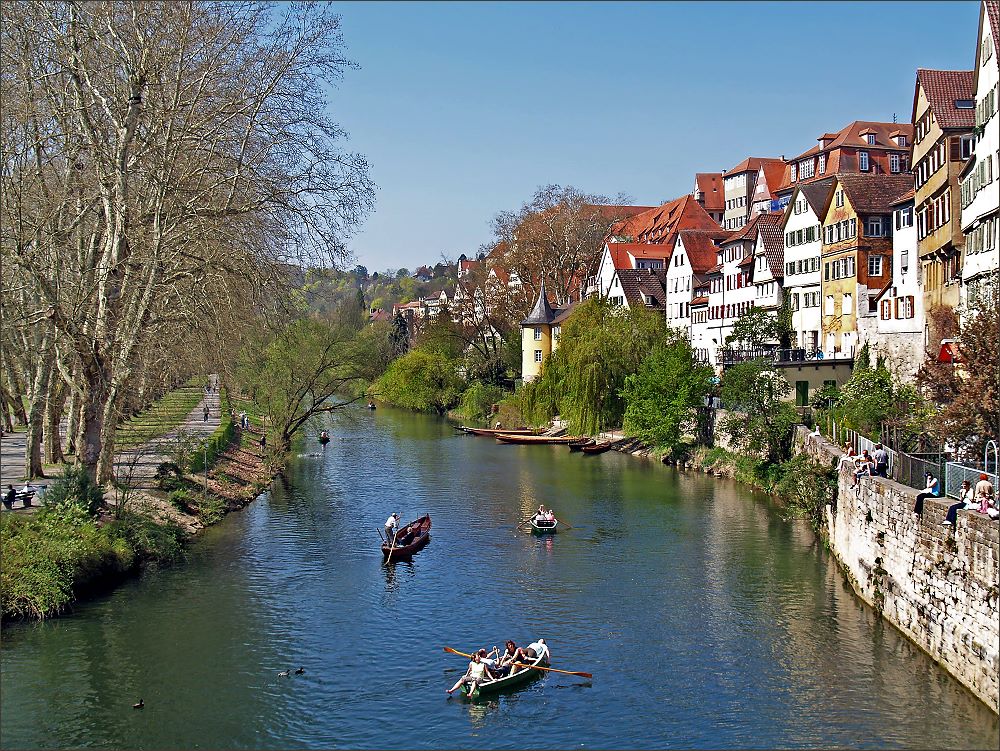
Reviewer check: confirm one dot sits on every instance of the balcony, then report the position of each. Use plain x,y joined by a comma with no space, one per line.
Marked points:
727,356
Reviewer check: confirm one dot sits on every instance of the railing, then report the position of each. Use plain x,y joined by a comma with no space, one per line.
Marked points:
911,469
841,436
957,472
779,355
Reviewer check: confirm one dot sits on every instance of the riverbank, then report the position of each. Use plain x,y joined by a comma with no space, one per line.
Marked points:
63,552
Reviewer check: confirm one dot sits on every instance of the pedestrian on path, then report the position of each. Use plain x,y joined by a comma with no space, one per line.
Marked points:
205,412
263,441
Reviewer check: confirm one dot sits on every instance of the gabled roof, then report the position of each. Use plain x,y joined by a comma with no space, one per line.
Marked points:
774,177
659,226
751,164
467,264
700,247
749,230
907,196
772,239
710,184
699,301
942,88
542,312
874,194
993,12
816,195
637,282
715,269
747,261
622,254
850,135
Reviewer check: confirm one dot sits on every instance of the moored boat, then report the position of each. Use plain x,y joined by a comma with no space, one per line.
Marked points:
513,438
497,431
521,676
410,539
578,445
599,448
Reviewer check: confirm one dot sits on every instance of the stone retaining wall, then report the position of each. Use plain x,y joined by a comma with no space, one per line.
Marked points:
939,585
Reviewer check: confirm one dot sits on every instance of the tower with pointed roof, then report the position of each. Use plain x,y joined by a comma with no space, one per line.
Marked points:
536,337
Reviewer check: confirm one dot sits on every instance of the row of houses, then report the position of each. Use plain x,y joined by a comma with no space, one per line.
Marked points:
880,234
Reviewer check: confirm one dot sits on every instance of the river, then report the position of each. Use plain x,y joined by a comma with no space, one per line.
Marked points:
706,620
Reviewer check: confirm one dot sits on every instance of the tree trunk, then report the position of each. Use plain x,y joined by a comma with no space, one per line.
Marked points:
53,417
16,391
36,415
72,412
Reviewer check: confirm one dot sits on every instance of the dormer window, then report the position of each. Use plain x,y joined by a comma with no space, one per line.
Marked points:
795,172
901,141
871,139
965,104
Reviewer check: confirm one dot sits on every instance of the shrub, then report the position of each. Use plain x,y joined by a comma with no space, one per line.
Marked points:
169,476
478,400
75,489
179,499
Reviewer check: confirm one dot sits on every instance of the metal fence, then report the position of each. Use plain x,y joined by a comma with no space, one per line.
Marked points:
956,472
911,469
841,436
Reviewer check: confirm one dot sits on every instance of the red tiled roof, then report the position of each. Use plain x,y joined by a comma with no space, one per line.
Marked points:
993,12
467,264
501,273
750,164
749,230
623,253
874,194
700,247
638,282
710,184
699,301
774,176
715,269
942,88
660,225
850,135
907,196
773,240
747,261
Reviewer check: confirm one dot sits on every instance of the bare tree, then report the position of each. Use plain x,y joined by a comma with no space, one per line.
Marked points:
162,162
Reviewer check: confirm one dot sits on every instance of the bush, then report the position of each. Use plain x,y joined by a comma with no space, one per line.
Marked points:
75,489
179,499
421,381
215,444
169,476
478,401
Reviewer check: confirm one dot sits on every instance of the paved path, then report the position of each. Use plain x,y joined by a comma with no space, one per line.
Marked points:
139,464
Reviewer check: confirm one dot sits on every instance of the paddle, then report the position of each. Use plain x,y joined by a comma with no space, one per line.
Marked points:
393,546
525,665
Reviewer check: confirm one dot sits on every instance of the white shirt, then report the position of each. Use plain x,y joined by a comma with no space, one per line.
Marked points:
477,669
539,648
488,662
391,521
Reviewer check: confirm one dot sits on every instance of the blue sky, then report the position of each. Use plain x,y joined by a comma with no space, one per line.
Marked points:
463,109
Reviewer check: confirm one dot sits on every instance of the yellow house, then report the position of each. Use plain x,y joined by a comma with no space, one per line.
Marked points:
537,337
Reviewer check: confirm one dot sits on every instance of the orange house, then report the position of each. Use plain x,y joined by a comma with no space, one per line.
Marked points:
856,259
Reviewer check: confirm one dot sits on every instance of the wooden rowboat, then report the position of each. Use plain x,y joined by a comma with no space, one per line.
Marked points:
544,527
512,438
599,448
496,431
515,679
578,445
414,535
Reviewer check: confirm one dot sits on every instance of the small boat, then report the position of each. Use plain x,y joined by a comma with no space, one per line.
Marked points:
515,438
599,448
544,526
496,431
522,676
409,540
578,445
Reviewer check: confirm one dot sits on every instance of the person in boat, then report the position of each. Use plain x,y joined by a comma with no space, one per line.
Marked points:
489,659
540,514
324,436
406,535
477,674
537,649
511,654
549,516
391,526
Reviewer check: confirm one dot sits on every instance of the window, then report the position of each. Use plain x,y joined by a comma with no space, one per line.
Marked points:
901,141
806,169
538,333
839,198
848,305
894,162
871,139
873,228
538,355
904,217
885,310
874,265
863,161
965,104
828,310
904,261
556,330
822,163
968,146
801,393
794,173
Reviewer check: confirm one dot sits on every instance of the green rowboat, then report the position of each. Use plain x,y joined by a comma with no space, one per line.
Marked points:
522,676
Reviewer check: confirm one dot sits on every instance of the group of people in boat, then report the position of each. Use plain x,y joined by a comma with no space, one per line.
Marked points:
493,665
402,537
544,517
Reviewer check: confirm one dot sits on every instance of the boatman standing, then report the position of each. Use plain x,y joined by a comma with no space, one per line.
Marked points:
391,525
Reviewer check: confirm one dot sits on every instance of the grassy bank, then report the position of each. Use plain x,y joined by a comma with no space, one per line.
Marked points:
64,551
164,415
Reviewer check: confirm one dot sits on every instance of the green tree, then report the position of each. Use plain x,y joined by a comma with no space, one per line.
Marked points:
600,346
420,380
663,396
760,420
753,328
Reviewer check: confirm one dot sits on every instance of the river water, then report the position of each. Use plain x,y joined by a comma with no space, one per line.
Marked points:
707,620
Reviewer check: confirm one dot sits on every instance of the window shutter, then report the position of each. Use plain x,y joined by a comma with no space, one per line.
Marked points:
955,144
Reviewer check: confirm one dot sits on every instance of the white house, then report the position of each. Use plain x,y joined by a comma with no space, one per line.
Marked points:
695,252
980,190
898,333
621,256
803,247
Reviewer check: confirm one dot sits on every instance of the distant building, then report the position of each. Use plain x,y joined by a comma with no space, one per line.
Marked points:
739,185
710,194
694,253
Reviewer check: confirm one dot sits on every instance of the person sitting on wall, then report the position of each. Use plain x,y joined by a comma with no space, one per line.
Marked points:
966,500
931,490
864,463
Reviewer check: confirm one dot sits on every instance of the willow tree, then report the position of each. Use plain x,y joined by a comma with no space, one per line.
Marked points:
163,162
600,346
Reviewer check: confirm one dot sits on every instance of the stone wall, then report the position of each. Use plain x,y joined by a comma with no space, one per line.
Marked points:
939,585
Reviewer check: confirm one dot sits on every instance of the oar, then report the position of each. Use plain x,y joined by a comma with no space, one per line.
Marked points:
380,534
566,524
393,546
525,665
